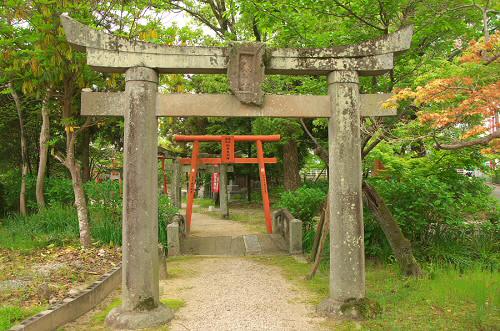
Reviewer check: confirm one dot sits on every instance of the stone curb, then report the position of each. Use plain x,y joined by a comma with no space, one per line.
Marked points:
73,307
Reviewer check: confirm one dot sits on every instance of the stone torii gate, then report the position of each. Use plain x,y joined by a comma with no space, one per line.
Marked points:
246,64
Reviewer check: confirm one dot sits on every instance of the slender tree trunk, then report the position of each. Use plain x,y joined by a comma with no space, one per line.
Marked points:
71,164
401,247
85,155
24,150
319,231
80,202
291,166
44,148
484,12
320,239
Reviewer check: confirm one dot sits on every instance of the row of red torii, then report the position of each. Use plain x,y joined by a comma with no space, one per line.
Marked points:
246,65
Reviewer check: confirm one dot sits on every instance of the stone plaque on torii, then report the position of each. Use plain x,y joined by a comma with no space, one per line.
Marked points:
246,65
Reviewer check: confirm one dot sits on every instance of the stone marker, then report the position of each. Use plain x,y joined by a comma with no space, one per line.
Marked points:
295,240
173,239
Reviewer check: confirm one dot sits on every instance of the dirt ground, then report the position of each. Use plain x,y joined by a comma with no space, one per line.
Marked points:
205,225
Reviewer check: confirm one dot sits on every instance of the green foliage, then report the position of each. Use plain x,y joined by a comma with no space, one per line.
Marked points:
58,224
58,191
166,211
53,225
304,203
448,217
10,315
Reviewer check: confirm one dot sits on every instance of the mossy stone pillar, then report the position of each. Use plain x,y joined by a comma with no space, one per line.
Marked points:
347,261
140,276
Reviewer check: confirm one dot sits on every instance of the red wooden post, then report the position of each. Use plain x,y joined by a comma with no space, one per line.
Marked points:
263,186
228,156
192,184
165,187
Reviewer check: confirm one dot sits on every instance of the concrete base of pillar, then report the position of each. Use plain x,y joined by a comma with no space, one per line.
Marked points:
352,309
118,319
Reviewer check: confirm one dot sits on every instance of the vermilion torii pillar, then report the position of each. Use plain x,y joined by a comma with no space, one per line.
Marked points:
246,65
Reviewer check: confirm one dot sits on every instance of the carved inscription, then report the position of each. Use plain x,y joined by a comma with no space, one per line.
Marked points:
246,72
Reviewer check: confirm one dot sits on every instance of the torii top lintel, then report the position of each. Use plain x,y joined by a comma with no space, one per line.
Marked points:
108,53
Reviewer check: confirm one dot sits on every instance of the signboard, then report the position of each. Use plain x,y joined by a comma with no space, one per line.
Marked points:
215,182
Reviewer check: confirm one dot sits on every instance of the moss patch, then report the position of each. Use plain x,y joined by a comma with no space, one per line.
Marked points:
101,316
174,304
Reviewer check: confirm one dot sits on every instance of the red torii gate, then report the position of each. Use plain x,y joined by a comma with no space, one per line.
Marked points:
228,156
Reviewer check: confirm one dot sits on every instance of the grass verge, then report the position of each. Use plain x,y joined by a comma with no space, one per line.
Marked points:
445,299
10,315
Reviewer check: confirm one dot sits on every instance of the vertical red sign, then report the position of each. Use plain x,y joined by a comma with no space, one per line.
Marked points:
215,182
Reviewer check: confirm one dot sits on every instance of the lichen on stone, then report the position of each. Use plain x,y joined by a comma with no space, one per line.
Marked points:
146,304
363,308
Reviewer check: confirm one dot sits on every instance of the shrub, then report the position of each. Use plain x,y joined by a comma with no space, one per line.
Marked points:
59,191
58,223
304,203
105,208
449,218
54,225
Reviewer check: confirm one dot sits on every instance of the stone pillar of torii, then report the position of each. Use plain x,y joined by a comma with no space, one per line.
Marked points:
246,65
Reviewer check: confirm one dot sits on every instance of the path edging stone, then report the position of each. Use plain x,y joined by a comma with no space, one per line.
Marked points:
73,307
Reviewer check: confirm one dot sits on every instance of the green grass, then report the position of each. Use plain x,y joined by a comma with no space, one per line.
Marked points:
10,315
99,318
174,304
57,225
445,299
204,202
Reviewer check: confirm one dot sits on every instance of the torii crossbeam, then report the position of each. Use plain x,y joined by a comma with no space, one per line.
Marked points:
228,157
246,65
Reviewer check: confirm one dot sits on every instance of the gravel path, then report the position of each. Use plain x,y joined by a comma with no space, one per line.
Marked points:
237,294
207,226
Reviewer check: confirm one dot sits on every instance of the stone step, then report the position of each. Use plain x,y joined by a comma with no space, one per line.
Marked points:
252,245
258,244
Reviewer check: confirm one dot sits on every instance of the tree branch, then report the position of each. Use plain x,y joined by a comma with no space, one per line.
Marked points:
319,150
480,141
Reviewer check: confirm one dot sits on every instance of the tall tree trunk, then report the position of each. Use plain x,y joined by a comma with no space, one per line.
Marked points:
401,247
291,166
80,202
71,164
24,150
44,148
85,155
